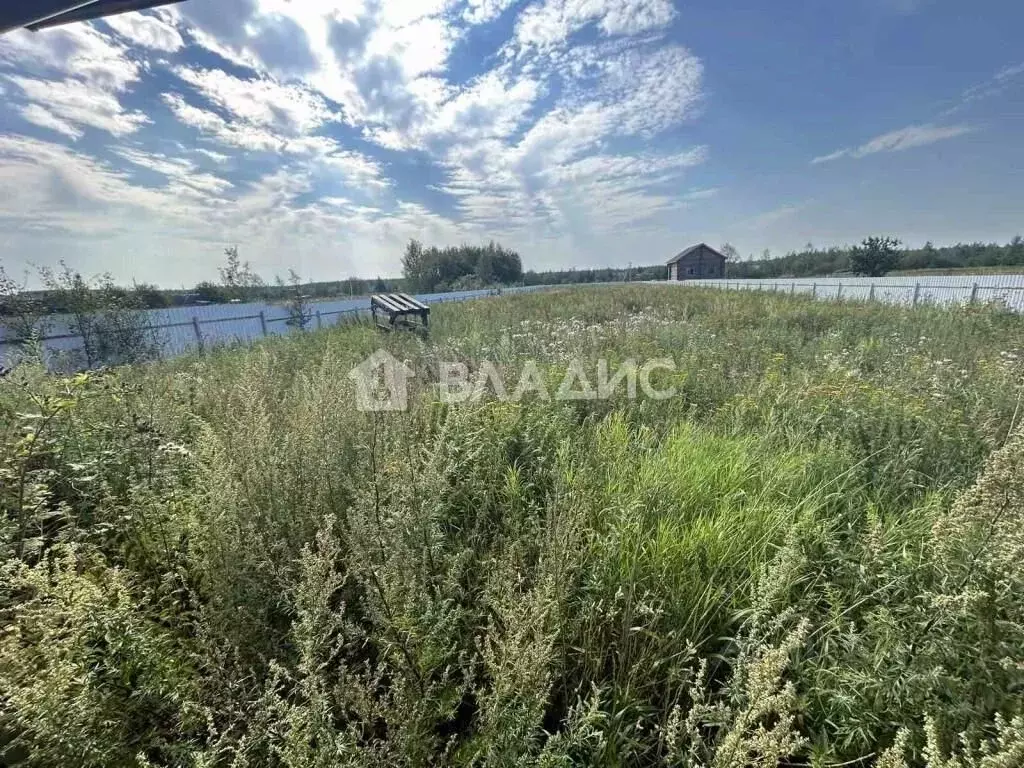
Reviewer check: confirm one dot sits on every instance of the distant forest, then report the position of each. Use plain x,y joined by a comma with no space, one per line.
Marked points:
812,261
468,267
465,267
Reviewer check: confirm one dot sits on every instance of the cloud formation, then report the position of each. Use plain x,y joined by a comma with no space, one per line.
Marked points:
994,86
210,121
897,141
73,102
147,31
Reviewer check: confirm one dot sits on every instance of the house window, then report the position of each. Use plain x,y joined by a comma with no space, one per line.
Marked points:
689,270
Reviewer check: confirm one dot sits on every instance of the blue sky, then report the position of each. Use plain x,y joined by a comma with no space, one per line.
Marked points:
322,135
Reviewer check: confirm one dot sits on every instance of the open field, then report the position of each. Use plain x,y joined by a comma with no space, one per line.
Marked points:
811,554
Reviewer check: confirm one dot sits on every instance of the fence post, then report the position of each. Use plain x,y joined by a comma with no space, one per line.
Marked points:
263,322
814,290
792,288
974,293
319,320
871,292
839,291
917,292
199,333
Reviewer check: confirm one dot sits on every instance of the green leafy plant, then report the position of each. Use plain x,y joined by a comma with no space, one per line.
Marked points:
875,256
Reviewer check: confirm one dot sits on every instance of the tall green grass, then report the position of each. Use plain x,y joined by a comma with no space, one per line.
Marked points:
810,555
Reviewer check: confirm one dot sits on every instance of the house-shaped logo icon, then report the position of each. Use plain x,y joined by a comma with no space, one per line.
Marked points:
381,383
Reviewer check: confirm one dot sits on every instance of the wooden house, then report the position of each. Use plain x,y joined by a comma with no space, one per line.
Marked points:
699,262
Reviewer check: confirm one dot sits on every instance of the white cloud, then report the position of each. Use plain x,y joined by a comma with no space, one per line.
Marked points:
147,31
216,127
640,169
72,77
268,35
548,147
357,169
483,11
168,166
261,101
353,167
42,117
831,156
896,141
206,183
182,173
552,22
638,16
217,157
77,50
367,56
402,13
419,47
910,137
701,194
76,102
490,107
47,190
557,176
50,186
1009,72
641,94
994,86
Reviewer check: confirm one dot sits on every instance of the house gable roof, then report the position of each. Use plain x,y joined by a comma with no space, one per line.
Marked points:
694,249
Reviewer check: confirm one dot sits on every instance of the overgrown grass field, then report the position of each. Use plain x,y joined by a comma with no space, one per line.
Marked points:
811,555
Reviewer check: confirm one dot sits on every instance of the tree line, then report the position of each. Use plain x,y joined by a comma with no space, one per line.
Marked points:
467,267
461,267
812,261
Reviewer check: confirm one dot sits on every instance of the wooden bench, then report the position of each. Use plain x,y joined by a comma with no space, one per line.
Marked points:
400,311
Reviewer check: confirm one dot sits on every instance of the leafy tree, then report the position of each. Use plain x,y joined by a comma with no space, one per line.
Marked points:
730,252
300,312
503,265
238,276
150,296
875,256
464,266
1014,251
413,262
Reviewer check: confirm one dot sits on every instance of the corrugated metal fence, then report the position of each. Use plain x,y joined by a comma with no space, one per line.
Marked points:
947,290
178,330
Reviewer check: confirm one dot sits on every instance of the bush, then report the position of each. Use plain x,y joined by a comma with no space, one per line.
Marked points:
110,320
